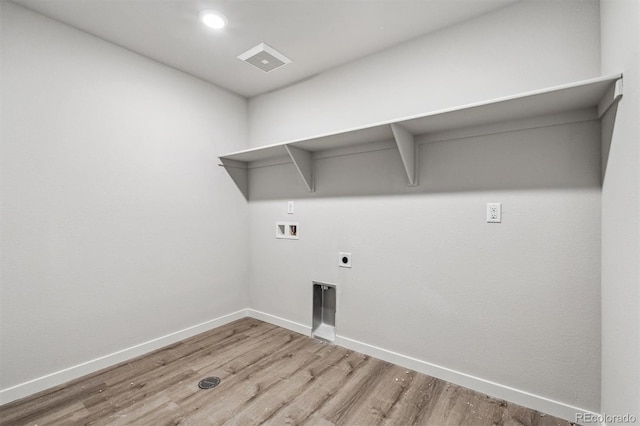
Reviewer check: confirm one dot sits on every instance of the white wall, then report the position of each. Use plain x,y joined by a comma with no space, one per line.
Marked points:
118,227
516,304
526,46
621,216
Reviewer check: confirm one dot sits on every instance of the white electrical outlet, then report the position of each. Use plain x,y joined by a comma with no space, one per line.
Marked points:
290,207
494,212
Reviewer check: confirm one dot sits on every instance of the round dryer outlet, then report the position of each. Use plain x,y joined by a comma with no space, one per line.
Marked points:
344,260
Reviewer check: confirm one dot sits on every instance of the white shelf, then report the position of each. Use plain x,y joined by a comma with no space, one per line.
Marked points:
599,93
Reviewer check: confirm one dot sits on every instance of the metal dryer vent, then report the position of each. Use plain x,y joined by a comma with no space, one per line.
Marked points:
264,57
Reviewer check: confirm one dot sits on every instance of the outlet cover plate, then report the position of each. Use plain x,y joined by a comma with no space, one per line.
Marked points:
494,212
344,260
287,231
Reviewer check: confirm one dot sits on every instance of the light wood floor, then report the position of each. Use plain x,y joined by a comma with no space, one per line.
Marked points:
269,376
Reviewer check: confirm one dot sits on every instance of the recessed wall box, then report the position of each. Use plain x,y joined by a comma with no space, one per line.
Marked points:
287,230
324,311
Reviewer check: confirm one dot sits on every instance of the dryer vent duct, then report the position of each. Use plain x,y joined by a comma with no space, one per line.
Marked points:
264,57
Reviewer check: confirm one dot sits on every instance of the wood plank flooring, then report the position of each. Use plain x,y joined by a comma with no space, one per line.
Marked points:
269,376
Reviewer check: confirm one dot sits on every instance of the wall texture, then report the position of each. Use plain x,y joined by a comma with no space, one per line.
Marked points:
621,216
118,227
515,304
527,46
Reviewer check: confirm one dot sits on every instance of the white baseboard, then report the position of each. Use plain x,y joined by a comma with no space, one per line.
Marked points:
280,322
59,377
496,390
517,396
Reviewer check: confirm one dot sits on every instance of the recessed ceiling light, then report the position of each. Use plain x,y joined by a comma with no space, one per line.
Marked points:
213,19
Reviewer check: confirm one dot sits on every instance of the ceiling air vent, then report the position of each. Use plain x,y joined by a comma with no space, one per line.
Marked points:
264,57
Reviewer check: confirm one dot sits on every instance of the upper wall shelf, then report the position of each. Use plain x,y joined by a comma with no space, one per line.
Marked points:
600,93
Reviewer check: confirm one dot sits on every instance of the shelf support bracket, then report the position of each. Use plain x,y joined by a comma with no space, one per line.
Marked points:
303,160
612,96
239,172
607,111
407,147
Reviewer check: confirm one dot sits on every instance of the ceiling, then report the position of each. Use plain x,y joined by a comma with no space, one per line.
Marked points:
315,34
